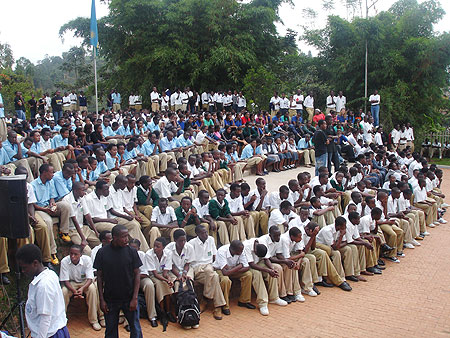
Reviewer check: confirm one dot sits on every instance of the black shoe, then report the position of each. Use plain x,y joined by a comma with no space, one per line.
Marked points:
5,280
379,267
316,290
287,299
324,284
352,278
381,262
153,323
292,298
247,305
385,248
171,318
344,286
374,270
226,312
393,259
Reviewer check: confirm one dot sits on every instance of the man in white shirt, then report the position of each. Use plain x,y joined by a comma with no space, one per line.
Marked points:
259,204
428,205
66,102
410,136
406,224
45,310
309,105
275,102
374,100
340,103
331,103
154,98
131,101
281,217
97,206
238,212
73,100
276,197
116,211
298,98
204,252
284,104
204,100
166,187
77,277
242,103
231,262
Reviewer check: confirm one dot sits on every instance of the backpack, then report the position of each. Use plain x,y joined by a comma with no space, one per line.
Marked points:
188,307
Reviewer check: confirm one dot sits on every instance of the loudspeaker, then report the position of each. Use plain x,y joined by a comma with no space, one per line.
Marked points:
14,207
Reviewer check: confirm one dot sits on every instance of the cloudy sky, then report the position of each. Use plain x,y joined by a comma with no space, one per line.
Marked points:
31,27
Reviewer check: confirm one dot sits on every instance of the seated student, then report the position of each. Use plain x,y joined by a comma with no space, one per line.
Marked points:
147,197
34,159
187,216
83,235
13,156
42,145
234,161
146,285
298,195
201,204
204,252
221,167
220,212
434,194
116,210
159,265
333,236
166,187
282,216
327,202
163,221
428,205
366,251
237,210
83,172
231,262
63,180
257,202
60,142
130,207
317,212
99,170
417,214
276,197
47,208
252,159
291,249
77,277
305,148
389,229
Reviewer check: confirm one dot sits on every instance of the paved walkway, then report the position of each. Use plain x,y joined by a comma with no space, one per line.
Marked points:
410,299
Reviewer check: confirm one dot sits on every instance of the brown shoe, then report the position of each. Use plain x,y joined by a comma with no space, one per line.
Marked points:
361,278
217,313
418,238
366,273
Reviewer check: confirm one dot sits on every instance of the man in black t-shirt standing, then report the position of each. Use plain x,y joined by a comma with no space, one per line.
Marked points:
57,105
320,141
33,106
118,280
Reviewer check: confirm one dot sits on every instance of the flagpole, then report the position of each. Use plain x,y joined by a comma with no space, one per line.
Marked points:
95,78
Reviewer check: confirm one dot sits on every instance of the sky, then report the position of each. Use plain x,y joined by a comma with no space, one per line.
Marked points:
35,34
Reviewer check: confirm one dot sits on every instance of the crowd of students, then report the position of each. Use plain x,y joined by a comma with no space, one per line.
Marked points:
170,195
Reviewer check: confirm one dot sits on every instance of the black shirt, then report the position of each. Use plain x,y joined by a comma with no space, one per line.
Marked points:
41,104
330,132
57,103
18,104
320,142
117,265
33,104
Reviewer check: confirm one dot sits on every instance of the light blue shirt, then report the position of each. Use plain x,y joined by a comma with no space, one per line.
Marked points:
2,110
183,142
148,148
57,127
11,150
107,131
124,131
302,144
247,152
167,145
128,155
4,158
59,141
115,97
83,174
258,150
152,127
36,148
101,168
44,192
62,186
110,161
24,151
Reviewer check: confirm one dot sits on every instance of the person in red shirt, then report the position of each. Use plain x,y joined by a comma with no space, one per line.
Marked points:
318,115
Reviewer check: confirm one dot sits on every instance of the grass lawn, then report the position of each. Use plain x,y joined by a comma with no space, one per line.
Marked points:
444,161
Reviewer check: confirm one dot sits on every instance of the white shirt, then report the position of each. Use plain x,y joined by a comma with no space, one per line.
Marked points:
202,210
276,217
76,273
154,96
392,205
160,218
94,253
420,195
265,203
272,247
298,99
235,204
131,100
78,209
331,102
403,203
30,194
164,188
366,224
284,103
352,231
327,235
276,102
275,200
96,207
73,98
373,98
203,252
340,102
224,258
154,264
45,302
298,223
309,102
204,98
287,245
242,102
180,260
129,198
115,201
249,251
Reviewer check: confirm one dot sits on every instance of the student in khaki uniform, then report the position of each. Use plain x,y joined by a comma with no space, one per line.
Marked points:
187,216
282,216
147,197
257,201
237,210
231,262
77,277
428,206
220,212
163,221
333,236
263,271
202,270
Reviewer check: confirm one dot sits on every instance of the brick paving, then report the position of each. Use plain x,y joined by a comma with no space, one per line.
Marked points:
410,299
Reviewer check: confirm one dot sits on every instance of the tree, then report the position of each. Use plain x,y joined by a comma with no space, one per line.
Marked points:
6,56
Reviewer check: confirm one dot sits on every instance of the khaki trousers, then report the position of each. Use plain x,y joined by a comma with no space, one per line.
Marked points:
90,236
102,226
216,181
134,231
3,129
359,258
56,160
162,289
239,171
116,107
394,238
221,232
91,299
420,216
155,107
326,267
291,281
348,258
4,267
429,210
310,112
370,255
246,286
309,155
320,220
155,161
253,161
406,227
260,221
23,163
236,231
259,279
205,275
163,159
39,236
148,288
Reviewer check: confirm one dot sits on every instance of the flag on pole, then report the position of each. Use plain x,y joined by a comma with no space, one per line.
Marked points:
94,31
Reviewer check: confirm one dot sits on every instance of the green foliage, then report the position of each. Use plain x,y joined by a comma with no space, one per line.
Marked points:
259,84
6,56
